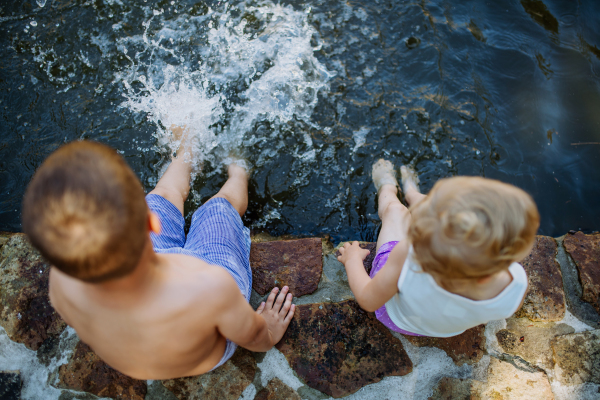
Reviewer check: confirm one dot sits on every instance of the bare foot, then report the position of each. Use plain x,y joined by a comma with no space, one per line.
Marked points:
235,169
185,149
384,174
276,313
410,179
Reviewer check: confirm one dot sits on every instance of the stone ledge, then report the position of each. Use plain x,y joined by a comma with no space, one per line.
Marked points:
227,382
545,298
585,251
25,310
295,263
337,348
86,372
468,347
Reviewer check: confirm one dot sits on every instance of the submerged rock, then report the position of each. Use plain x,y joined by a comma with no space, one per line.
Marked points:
86,372
468,347
585,251
25,310
277,390
531,340
577,358
337,348
295,263
227,382
545,299
10,385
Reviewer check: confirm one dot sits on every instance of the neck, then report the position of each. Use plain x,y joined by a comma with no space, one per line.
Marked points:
142,277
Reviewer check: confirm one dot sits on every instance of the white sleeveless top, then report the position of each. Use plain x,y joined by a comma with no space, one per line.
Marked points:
423,307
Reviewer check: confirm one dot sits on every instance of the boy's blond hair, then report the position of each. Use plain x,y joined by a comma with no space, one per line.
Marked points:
85,211
471,227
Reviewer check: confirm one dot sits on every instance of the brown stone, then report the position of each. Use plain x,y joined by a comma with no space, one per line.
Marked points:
295,263
545,299
577,358
531,340
585,250
227,382
25,310
86,372
277,390
337,348
468,347
457,389
505,382
368,261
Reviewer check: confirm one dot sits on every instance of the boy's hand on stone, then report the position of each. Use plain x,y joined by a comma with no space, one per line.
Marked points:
350,251
277,313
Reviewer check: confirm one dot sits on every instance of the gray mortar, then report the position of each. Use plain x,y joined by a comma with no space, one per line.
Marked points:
572,287
156,391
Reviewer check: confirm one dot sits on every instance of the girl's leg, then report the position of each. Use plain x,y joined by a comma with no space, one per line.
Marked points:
394,216
410,185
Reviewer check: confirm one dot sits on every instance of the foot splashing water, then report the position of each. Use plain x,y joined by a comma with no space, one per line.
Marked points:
222,72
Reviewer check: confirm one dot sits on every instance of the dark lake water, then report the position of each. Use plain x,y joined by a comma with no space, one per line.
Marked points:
312,93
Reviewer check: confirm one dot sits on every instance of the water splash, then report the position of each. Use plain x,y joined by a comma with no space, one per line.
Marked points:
251,64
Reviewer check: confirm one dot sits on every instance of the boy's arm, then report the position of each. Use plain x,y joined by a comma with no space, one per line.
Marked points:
371,294
254,330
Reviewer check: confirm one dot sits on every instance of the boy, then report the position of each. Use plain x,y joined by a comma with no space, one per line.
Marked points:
150,302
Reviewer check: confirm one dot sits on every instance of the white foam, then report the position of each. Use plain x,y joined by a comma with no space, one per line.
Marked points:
573,322
275,365
359,137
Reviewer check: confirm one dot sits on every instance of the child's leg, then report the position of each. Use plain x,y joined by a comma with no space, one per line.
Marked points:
394,216
174,185
410,182
235,190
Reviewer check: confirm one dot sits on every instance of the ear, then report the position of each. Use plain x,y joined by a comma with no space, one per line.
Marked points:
153,223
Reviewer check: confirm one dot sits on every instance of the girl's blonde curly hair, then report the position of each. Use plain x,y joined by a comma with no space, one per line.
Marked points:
471,227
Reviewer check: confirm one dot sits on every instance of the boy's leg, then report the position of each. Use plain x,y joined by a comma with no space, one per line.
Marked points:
395,217
235,190
175,183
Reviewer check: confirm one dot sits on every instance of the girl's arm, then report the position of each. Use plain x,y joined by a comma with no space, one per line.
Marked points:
371,294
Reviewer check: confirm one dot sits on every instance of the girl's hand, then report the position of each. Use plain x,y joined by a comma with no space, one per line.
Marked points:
352,251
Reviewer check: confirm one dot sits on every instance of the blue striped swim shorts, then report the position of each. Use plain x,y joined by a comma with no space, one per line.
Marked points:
217,236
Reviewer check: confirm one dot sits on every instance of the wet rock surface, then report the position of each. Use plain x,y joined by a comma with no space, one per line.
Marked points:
86,372
25,310
585,251
531,340
277,390
468,347
225,383
577,358
10,385
295,263
545,299
368,261
337,348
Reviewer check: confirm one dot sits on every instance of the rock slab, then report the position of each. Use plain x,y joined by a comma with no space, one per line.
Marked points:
86,372
504,382
224,383
10,385
277,390
295,263
337,348
25,310
368,261
545,298
577,358
585,251
468,347
531,340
